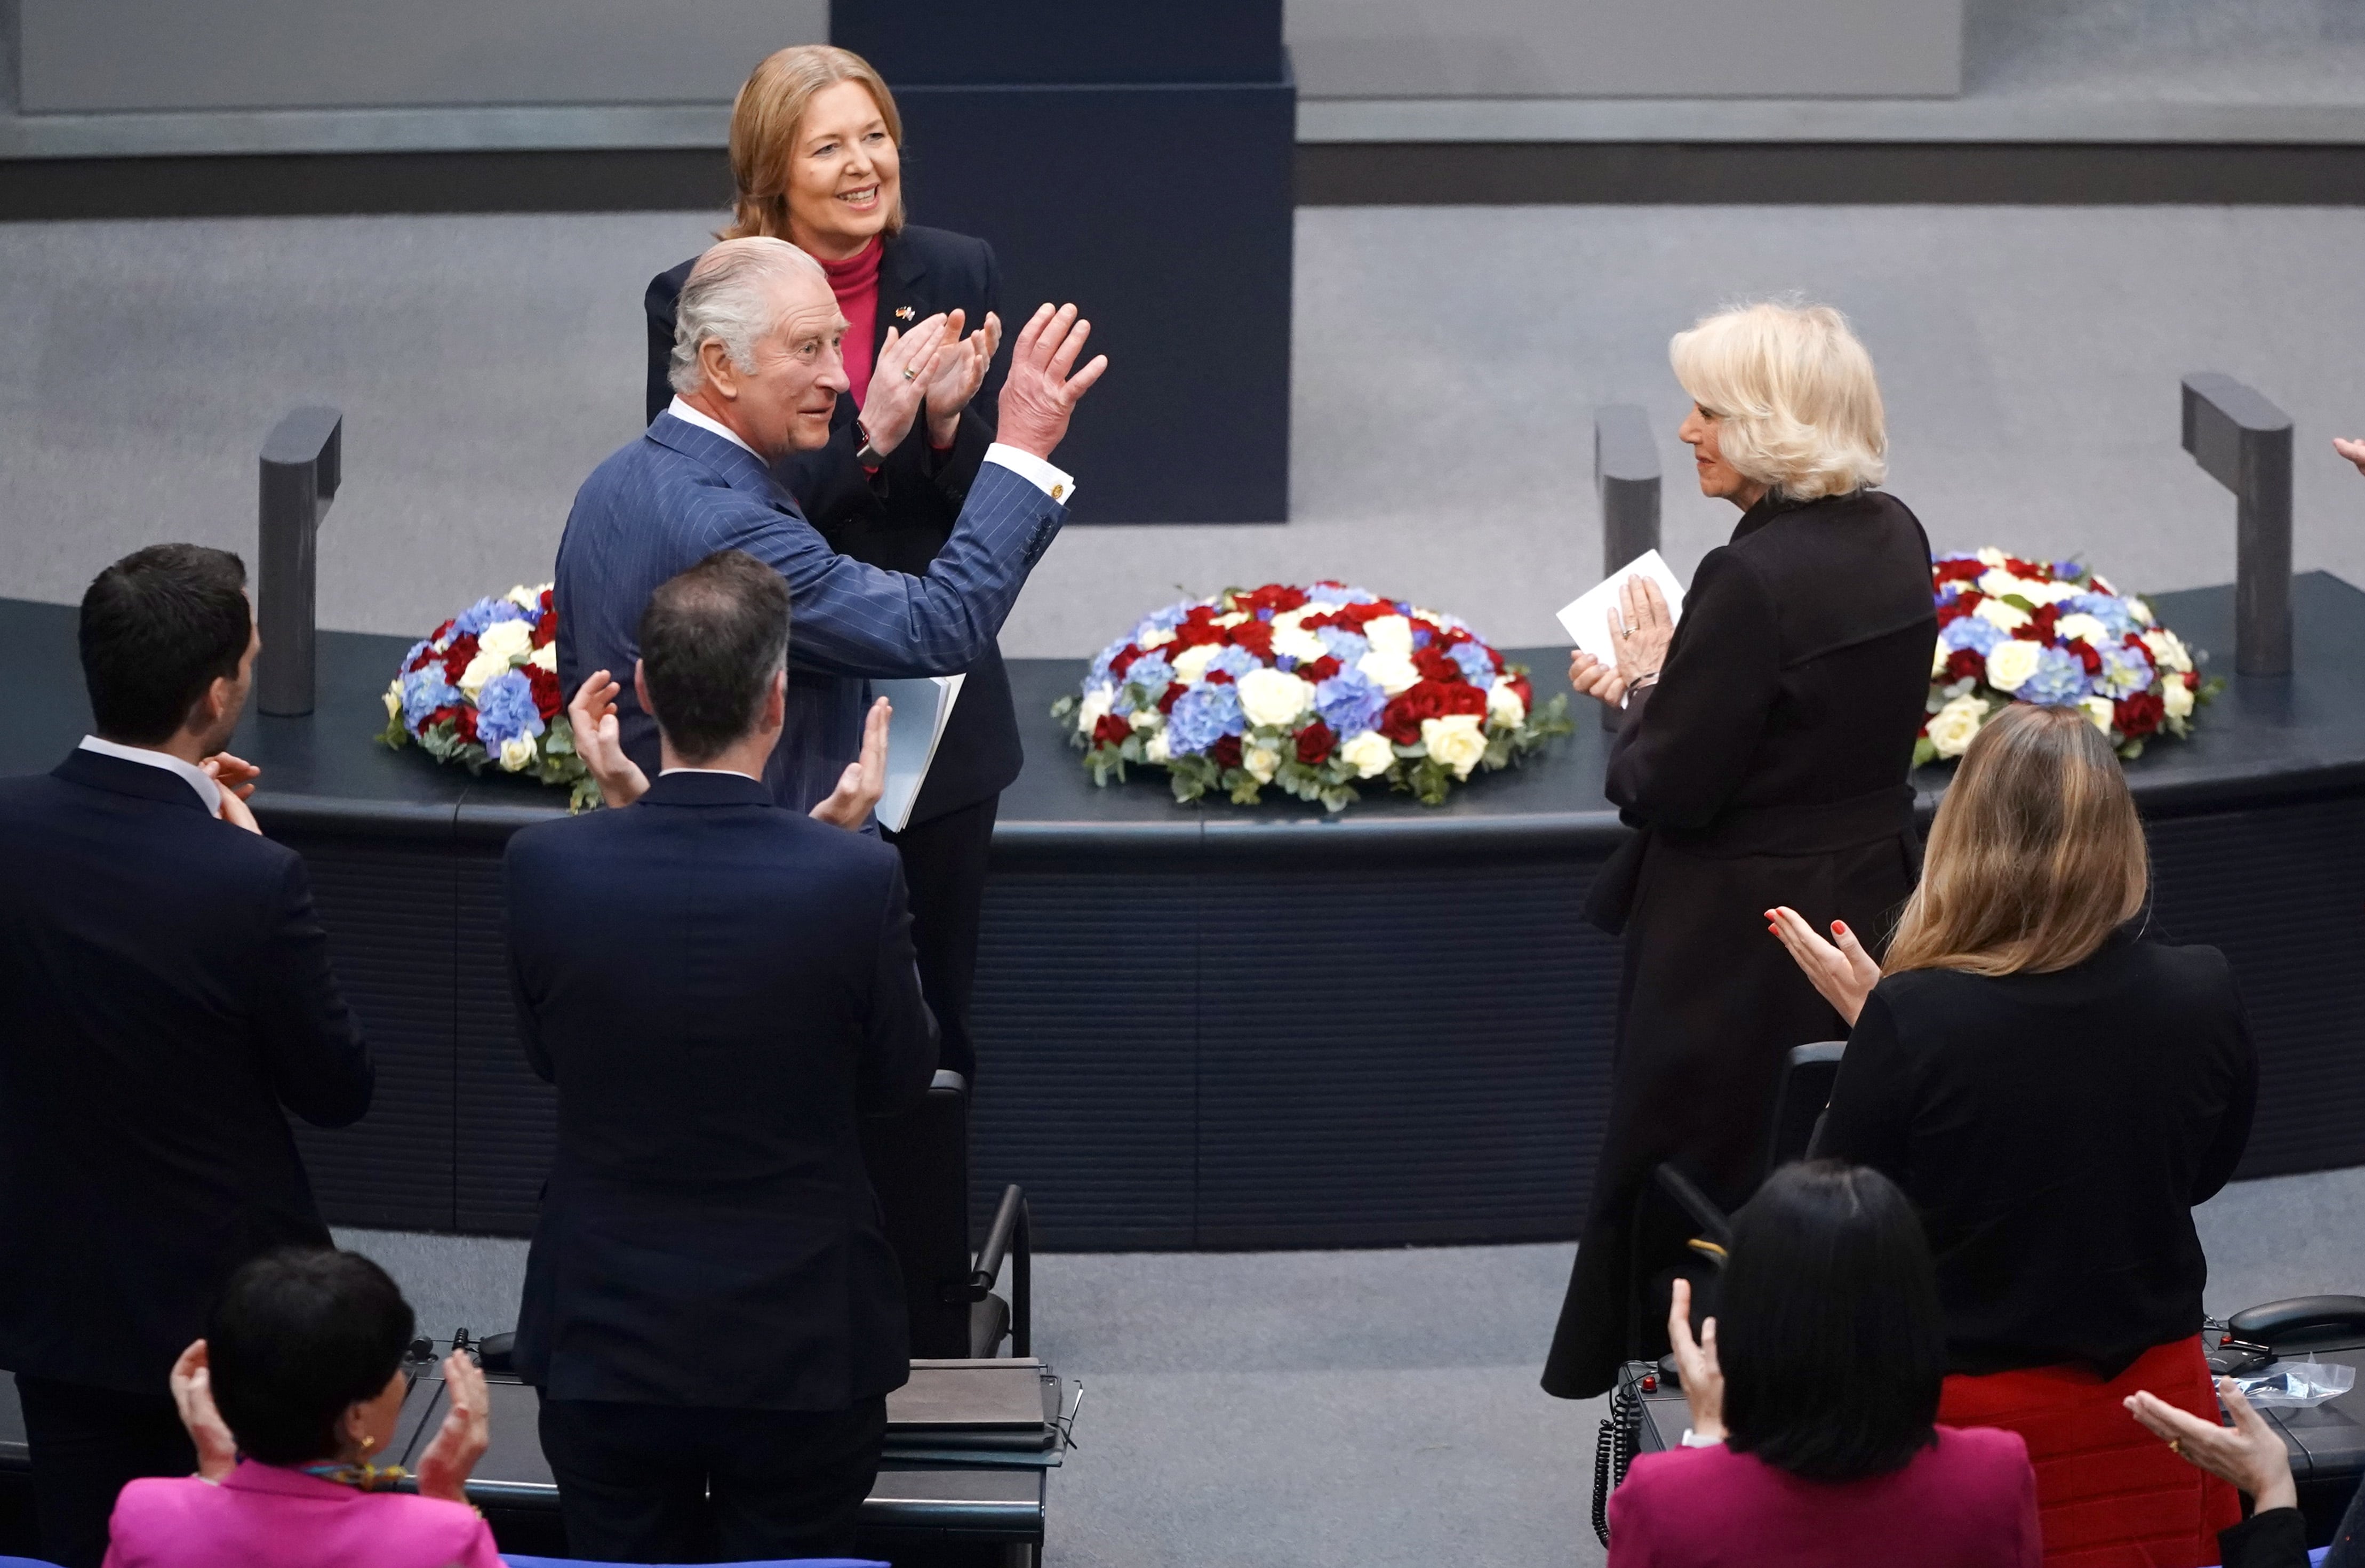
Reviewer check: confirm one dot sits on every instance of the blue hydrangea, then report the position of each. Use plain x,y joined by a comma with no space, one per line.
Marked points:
1970,632
2060,680
1234,661
411,657
1151,672
472,622
2068,571
1100,663
505,709
1477,669
1202,716
1340,593
2126,671
424,691
1349,702
1346,646
2108,608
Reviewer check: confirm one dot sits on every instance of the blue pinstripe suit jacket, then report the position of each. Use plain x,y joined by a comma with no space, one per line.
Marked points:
678,493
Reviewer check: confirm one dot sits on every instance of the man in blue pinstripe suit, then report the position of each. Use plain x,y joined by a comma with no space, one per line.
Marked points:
756,373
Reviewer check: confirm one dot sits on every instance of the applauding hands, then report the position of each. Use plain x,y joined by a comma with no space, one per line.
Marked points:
1841,969
620,780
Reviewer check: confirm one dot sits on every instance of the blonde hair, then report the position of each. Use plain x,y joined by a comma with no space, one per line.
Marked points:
2037,856
1797,405
764,122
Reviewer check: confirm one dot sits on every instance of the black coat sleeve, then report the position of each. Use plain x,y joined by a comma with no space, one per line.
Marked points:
2276,1539
1686,743
312,1053
657,305
1871,1109
521,993
954,471
899,1050
2233,1131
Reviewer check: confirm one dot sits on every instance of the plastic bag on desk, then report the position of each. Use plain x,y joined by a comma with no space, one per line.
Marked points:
2296,1386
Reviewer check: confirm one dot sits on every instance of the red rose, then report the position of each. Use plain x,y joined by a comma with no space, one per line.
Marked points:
2139,715
449,711
467,724
1356,615
1256,636
1175,689
547,699
2034,571
2192,680
1226,751
546,631
1427,700
2088,657
2040,624
1124,661
1959,571
458,657
1434,663
427,656
549,598
443,631
1966,662
1527,695
1217,677
1317,670
1191,635
1446,636
1962,604
1314,743
1111,731
1276,597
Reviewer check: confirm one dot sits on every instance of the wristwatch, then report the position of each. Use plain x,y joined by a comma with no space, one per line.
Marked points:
868,454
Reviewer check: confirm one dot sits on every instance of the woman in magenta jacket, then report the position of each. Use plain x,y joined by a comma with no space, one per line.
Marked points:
1814,1395
291,1399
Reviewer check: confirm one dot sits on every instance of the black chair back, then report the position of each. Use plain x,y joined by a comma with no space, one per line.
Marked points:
919,1166
1800,1097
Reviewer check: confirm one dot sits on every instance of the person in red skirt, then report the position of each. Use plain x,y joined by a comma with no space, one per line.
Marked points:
2054,1089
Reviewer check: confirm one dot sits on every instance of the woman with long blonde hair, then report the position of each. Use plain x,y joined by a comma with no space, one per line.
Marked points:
2055,1089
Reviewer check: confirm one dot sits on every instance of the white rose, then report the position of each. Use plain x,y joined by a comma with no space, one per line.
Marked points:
2138,608
1095,707
1296,641
2001,616
2177,697
2084,629
1234,619
1939,655
1157,639
1393,673
1191,663
511,639
545,657
1503,705
1260,761
2168,650
482,669
394,698
1993,557
2099,710
517,752
1996,582
525,598
1455,741
1272,698
1368,754
1389,635
1143,717
1154,749
2011,662
1954,726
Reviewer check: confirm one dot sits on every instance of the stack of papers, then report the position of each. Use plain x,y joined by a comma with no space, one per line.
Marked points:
1588,617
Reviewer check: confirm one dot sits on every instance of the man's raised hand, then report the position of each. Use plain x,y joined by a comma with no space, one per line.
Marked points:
1040,395
592,715
865,779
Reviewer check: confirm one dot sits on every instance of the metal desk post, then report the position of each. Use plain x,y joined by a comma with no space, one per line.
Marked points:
2244,443
1626,476
301,462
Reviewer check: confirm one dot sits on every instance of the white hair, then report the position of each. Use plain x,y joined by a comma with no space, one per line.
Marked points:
730,299
1797,403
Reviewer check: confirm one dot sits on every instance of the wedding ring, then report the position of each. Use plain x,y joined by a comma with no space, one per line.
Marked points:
2176,1447
1625,630
909,373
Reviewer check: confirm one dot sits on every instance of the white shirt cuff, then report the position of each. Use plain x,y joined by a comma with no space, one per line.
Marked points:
1053,482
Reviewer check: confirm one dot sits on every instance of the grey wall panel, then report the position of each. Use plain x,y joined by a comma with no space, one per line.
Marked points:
1356,49
98,55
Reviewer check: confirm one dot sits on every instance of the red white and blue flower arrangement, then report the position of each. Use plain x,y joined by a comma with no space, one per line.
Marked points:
1313,690
2016,631
483,688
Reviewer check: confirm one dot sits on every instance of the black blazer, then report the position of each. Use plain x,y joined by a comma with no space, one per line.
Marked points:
902,518
164,990
718,987
2055,1132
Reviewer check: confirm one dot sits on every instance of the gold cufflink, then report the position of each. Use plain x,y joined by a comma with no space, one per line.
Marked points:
902,312
1059,492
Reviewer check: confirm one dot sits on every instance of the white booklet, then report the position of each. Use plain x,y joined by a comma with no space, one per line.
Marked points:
1588,618
921,709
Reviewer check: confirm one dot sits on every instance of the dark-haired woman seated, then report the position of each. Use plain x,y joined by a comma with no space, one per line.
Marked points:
2054,1093
294,1388
1814,1395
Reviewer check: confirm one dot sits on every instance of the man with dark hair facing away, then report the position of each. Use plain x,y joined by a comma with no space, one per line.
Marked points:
719,987
164,992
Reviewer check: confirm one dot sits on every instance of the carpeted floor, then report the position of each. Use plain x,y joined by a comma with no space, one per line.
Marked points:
1357,1409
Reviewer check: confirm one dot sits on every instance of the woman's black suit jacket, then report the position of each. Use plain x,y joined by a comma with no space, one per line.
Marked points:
1767,766
2054,1132
901,519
